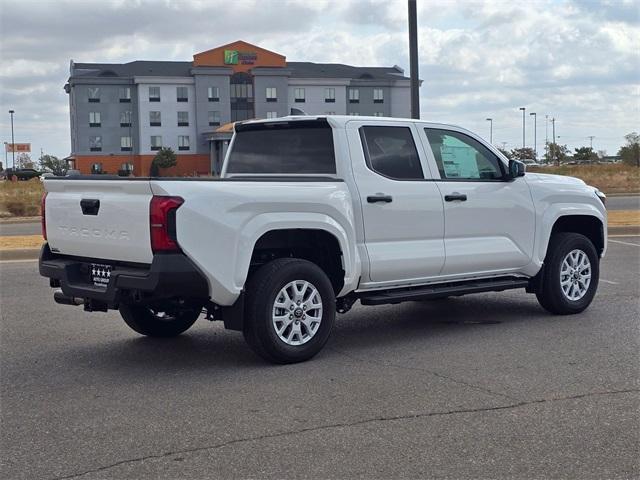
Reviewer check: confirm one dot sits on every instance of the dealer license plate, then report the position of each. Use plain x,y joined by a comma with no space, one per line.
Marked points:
100,274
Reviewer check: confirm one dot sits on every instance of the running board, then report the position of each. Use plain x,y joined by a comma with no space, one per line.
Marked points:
382,297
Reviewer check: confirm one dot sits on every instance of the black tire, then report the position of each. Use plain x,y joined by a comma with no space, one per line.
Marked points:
262,289
549,291
148,321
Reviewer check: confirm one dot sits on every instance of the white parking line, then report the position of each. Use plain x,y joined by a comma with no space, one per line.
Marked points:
20,260
625,243
609,282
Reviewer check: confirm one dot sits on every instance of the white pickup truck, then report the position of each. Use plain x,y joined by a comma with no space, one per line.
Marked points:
313,214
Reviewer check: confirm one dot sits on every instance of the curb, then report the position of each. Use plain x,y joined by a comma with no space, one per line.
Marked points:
20,254
628,230
13,221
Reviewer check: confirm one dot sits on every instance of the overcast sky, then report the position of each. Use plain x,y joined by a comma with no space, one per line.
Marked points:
577,61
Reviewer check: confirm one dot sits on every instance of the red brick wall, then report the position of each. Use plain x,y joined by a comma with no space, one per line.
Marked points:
188,165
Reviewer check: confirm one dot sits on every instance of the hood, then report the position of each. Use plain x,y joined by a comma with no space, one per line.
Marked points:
557,179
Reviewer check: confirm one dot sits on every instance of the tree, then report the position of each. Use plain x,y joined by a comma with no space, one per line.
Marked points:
585,154
506,153
630,152
556,153
165,158
23,160
523,154
53,164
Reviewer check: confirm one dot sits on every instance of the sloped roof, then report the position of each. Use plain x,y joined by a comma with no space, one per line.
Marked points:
182,69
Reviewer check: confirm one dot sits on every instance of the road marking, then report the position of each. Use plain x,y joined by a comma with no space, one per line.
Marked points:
19,261
625,243
618,236
609,282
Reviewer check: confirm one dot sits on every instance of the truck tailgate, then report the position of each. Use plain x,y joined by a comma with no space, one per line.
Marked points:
102,219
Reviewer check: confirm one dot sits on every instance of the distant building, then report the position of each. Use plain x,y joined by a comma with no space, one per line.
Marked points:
121,114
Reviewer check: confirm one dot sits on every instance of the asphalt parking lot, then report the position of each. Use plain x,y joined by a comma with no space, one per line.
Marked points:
484,386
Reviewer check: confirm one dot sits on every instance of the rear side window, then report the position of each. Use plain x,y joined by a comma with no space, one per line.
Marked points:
391,152
298,148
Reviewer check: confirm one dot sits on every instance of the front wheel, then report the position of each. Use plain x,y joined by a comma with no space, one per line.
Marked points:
157,321
290,310
570,275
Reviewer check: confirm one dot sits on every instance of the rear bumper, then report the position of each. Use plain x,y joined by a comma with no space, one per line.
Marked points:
169,275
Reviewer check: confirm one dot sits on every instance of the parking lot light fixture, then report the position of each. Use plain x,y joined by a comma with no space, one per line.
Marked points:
13,142
490,120
523,116
535,134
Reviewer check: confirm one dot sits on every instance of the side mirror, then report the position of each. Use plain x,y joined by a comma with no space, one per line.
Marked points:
516,169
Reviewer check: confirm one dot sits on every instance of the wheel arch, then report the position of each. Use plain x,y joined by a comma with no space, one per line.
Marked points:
315,237
589,225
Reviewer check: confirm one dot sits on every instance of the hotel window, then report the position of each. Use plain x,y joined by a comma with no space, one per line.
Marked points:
183,142
272,114
330,95
155,119
183,119
125,144
95,144
298,95
156,142
354,95
154,94
94,119
378,96
214,94
125,119
214,119
94,94
183,94
272,94
125,94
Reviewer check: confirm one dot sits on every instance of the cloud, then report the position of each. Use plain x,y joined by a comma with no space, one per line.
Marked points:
577,61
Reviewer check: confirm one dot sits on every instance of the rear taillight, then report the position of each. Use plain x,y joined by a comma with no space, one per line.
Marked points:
43,215
162,220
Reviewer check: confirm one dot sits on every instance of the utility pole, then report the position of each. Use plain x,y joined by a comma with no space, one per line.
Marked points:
413,59
523,139
546,137
490,120
591,137
13,143
535,135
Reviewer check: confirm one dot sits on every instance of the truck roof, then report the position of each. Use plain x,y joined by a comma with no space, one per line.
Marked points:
341,120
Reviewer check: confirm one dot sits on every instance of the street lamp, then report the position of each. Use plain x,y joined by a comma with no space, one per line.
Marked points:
535,135
13,143
523,141
490,120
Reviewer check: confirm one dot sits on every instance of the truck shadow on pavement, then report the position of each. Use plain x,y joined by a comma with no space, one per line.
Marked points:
210,348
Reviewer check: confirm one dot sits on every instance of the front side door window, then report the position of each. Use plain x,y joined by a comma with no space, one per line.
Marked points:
460,157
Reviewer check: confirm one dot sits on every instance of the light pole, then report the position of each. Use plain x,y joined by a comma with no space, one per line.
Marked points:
5,155
490,120
523,114
13,143
535,135
546,137
413,59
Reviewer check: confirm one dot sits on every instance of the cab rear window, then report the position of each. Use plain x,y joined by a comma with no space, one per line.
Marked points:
299,147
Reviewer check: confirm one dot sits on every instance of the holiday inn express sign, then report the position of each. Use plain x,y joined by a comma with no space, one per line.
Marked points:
234,57
240,56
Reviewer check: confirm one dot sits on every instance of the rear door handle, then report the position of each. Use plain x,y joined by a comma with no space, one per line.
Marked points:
455,196
379,198
90,206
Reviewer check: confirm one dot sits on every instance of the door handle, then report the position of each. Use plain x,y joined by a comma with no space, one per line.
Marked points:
455,196
379,198
90,206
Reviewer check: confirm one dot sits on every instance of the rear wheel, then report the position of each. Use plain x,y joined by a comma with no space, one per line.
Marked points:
290,310
160,321
570,275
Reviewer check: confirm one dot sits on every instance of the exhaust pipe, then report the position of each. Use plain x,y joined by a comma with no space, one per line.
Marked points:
63,299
